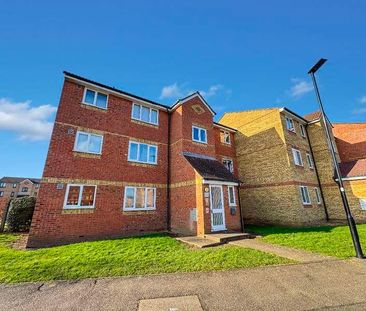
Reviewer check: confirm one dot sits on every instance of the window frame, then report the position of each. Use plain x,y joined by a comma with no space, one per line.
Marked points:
318,195
288,119
294,152
310,160
232,164
138,149
2,184
89,135
228,133
302,130
15,185
134,209
308,195
95,98
199,131
140,119
228,195
12,194
1,194
26,189
80,196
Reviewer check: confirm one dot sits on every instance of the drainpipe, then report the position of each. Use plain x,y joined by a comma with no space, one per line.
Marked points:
168,214
317,175
240,211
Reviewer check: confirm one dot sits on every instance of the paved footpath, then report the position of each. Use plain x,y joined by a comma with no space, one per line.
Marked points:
282,251
326,285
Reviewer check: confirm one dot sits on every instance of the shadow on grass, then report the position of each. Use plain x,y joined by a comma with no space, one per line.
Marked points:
267,230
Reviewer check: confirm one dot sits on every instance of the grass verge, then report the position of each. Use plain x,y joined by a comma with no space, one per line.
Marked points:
121,257
328,240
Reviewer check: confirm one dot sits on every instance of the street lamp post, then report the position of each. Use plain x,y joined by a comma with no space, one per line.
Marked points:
350,220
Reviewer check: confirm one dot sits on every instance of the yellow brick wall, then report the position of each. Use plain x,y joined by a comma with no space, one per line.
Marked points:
270,191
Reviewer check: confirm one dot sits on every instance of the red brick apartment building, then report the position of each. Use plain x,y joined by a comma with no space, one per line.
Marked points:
119,164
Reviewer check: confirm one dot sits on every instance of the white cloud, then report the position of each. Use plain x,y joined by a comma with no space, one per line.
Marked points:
360,110
300,87
30,123
171,91
212,90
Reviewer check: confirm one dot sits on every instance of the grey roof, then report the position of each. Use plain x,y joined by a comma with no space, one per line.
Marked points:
12,180
211,169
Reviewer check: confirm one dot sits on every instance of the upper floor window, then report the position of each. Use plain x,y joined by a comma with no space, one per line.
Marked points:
89,143
199,134
144,114
36,186
94,98
310,160
302,130
79,196
318,196
363,204
305,195
1,193
144,153
12,194
25,189
225,137
297,157
2,184
231,195
139,198
228,163
290,125
14,185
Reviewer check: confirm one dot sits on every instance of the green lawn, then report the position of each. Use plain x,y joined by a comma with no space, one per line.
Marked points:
126,256
328,240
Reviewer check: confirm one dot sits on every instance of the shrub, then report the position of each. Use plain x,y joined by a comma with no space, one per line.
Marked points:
20,214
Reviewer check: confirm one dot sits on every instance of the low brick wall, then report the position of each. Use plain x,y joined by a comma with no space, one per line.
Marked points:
3,206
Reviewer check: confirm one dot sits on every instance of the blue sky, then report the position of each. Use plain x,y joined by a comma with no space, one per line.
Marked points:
240,54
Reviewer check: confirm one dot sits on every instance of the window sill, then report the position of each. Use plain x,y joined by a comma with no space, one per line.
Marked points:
232,205
199,143
143,164
136,211
88,106
87,155
291,131
144,123
75,210
299,166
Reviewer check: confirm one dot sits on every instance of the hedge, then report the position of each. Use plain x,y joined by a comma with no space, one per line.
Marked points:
20,214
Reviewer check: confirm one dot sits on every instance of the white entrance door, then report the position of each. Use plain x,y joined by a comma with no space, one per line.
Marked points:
217,208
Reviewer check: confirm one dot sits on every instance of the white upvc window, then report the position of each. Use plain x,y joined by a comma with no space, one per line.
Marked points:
199,134
14,185
145,114
1,193
94,98
2,184
290,125
310,160
231,195
363,204
80,196
88,142
225,137
228,163
139,199
302,130
143,153
297,157
305,196
318,195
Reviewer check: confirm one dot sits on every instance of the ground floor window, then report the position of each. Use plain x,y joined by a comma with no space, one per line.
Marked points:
305,195
80,196
231,195
318,196
139,198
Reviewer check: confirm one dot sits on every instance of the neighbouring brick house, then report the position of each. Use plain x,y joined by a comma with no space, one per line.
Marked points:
12,187
119,164
285,165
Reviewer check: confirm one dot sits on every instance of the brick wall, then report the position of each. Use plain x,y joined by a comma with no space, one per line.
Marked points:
3,206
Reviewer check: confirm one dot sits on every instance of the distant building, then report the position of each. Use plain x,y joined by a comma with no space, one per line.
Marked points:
15,187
